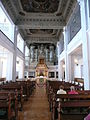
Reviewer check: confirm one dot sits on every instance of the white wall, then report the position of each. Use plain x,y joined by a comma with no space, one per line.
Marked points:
77,69
6,62
10,46
20,67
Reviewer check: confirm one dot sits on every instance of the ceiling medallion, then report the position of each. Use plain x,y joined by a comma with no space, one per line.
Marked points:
43,6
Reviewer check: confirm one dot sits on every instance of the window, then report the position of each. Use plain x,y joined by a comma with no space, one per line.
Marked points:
6,26
19,68
6,62
75,23
86,13
26,51
51,74
31,74
27,57
20,43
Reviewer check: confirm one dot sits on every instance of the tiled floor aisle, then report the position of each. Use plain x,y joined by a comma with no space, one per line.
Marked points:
37,107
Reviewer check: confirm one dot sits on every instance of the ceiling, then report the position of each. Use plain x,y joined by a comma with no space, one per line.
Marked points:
78,51
37,6
40,21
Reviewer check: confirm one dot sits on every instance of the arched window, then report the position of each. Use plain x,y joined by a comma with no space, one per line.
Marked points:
6,26
20,43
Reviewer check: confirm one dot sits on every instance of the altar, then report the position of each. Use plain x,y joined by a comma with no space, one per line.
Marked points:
41,72
41,68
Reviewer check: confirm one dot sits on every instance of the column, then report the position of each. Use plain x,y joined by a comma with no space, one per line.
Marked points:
85,47
59,69
42,48
32,53
46,50
70,68
66,55
36,55
54,74
59,64
9,68
24,59
14,54
51,55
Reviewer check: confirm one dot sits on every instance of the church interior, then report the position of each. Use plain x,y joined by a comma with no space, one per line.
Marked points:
44,59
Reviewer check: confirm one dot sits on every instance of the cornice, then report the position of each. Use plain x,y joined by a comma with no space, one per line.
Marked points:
41,40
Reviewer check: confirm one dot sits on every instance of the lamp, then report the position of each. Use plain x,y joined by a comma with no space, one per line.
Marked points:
76,61
17,62
63,66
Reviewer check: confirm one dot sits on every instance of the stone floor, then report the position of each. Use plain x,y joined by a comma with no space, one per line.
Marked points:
37,107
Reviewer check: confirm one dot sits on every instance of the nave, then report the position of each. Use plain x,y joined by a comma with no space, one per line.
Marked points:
48,40
37,106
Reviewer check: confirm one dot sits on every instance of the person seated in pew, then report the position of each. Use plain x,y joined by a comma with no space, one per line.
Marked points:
87,117
73,91
61,90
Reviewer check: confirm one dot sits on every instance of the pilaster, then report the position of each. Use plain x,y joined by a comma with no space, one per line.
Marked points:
66,56
14,54
85,46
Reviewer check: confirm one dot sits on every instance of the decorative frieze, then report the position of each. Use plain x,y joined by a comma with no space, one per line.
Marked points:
41,40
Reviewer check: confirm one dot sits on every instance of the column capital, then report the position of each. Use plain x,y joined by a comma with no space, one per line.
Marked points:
16,28
65,29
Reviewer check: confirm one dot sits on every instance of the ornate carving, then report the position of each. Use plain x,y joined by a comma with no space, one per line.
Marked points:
75,23
41,40
44,6
41,23
39,31
42,50
39,14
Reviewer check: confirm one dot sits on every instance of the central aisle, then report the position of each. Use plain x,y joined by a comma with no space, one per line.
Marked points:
37,107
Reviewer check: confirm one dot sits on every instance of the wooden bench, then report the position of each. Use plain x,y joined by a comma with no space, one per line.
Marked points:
28,87
15,87
23,88
66,99
53,86
8,105
75,110
79,81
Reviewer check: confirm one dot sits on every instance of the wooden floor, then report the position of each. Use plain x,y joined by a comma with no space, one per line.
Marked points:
37,107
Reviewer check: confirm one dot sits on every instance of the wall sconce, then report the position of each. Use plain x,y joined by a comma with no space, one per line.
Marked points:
63,66
17,62
76,61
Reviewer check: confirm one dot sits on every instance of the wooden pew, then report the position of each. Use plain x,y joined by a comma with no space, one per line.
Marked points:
6,105
83,92
53,86
28,87
65,99
76,110
23,88
15,87
79,81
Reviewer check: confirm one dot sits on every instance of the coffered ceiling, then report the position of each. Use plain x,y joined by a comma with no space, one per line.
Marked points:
40,21
37,6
